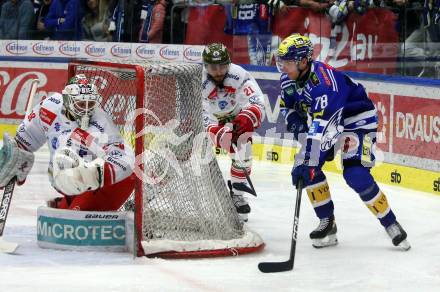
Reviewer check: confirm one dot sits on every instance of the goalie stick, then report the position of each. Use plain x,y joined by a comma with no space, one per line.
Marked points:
5,203
274,267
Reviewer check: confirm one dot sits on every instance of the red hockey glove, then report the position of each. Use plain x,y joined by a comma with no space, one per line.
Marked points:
247,120
242,124
221,136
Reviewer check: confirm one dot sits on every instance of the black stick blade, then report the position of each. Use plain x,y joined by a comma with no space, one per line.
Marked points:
275,267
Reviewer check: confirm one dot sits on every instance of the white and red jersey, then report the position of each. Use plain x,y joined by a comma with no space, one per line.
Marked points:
48,123
239,92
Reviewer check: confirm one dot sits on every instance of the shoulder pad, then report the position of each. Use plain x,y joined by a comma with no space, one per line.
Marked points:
236,72
327,76
55,100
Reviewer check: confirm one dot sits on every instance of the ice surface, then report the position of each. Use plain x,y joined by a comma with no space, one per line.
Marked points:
364,260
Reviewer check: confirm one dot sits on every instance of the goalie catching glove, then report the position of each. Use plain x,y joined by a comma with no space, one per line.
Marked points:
73,176
14,161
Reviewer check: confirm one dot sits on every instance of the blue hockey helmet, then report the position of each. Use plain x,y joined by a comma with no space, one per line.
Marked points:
295,48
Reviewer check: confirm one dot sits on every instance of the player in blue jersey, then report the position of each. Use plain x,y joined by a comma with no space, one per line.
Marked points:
326,111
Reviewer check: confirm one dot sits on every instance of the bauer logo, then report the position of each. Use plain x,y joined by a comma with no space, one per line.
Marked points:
120,51
436,185
168,53
94,50
145,52
81,232
396,177
16,48
69,49
43,49
192,54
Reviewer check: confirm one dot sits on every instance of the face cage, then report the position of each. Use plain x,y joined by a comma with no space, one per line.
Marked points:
76,108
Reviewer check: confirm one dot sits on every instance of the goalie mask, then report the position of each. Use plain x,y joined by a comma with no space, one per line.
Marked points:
80,98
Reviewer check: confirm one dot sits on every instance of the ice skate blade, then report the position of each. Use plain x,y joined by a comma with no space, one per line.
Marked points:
404,245
329,240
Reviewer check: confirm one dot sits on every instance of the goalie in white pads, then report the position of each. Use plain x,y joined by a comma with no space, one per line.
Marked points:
89,162
233,107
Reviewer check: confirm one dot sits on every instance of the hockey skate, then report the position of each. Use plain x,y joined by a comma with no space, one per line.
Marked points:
398,236
240,202
325,234
241,205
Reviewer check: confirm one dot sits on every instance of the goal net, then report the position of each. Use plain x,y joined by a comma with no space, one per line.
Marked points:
182,204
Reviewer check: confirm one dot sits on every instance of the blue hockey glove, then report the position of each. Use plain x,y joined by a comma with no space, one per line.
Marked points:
296,124
304,172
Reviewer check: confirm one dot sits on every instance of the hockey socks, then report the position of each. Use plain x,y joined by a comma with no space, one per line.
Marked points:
319,196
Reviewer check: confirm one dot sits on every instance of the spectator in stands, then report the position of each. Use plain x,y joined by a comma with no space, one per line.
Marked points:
153,17
64,19
420,43
315,5
41,8
431,21
16,19
143,23
96,21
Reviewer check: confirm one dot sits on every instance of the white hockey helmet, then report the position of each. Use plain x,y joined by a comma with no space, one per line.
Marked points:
80,98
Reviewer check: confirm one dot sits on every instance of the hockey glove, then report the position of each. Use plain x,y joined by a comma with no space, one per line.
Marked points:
14,161
247,120
73,176
304,172
221,136
296,124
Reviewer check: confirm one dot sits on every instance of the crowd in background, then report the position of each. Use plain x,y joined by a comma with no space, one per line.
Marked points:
165,21
93,20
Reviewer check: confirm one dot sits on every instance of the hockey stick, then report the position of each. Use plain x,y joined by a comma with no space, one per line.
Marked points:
274,267
7,247
31,95
251,190
5,203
